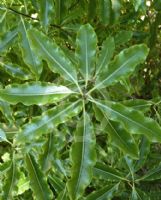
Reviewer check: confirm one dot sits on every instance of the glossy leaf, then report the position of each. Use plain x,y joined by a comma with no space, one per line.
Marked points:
10,183
49,51
105,11
123,37
122,65
6,110
34,93
46,12
15,71
119,137
56,183
83,158
105,172
105,55
105,193
29,56
47,121
144,151
134,121
2,135
47,156
152,174
37,179
85,51
7,39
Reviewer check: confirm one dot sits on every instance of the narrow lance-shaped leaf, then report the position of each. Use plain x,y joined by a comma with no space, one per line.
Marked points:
83,157
46,158
10,186
30,58
106,53
7,39
34,93
122,65
107,192
105,9
119,137
48,121
134,121
152,174
107,173
6,110
144,151
49,51
86,49
37,179
46,12
15,71
60,11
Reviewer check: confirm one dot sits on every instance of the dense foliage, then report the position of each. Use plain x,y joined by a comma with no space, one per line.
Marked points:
80,99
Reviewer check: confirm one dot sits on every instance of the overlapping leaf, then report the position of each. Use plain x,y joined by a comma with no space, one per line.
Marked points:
134,121
49,51
16,71
37,179
122,65
34,93
47,121
7,39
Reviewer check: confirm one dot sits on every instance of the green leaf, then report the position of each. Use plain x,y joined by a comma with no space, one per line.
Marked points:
105,11
49,51
60,11
2,135
34,93
15,71
122,66
152,174
123,37
106,193
7,39
10,184
48,121
56,183
86,50
107,173
47,156
134,121
83,157
29,56
106,54
46,12
119,137
144,151
6,110
92,9
37,179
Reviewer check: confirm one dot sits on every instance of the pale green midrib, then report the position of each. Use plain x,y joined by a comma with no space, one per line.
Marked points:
82,156
117,133
118,69
36,176
69,75
46,122
34,94
125,117
28,44
119,177
105,193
